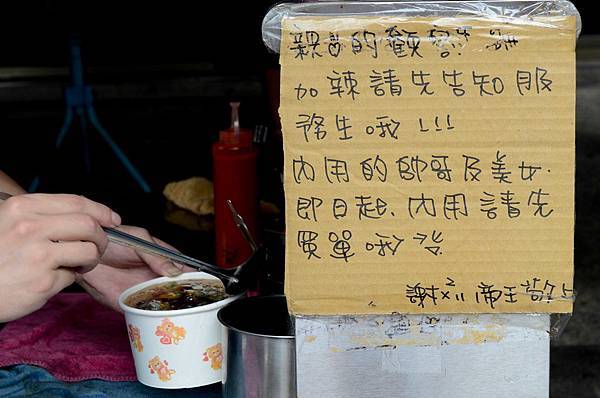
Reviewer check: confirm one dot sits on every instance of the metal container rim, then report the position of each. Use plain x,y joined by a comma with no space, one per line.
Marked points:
228,325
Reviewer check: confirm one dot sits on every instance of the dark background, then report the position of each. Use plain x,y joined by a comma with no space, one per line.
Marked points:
163,74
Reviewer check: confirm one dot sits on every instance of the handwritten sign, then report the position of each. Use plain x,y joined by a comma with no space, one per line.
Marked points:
429,164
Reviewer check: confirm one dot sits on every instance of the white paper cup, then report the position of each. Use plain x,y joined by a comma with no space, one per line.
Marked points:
180,348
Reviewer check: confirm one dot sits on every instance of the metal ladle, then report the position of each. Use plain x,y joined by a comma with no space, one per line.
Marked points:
236,280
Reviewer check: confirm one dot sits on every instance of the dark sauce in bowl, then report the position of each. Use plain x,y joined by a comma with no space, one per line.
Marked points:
178,295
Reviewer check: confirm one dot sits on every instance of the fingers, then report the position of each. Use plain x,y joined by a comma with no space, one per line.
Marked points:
186,268
75,254
162,243
98,296
75,227
62,279
161,265
183,268
158,264
61,204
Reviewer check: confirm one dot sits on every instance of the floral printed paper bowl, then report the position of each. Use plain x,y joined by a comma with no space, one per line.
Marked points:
178,348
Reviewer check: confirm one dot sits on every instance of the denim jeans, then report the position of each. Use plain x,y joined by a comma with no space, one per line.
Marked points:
33,381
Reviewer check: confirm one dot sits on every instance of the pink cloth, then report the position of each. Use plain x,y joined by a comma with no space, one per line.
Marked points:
73,337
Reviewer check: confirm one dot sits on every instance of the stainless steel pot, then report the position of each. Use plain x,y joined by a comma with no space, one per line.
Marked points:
260,349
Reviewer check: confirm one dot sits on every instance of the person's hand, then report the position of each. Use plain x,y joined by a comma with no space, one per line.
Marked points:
122,267
45,240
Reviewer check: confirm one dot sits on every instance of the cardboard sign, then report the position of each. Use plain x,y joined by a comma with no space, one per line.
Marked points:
429,164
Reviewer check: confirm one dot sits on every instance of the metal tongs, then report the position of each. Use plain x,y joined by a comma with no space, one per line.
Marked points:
236,280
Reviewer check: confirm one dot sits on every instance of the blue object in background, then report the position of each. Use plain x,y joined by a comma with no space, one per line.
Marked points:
32,381
79,102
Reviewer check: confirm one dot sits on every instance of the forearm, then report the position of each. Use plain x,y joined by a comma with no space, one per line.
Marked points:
8,185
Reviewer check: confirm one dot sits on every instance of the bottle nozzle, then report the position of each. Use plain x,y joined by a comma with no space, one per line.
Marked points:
235,116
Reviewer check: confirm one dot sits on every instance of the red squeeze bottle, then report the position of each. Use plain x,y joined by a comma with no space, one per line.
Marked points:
234,178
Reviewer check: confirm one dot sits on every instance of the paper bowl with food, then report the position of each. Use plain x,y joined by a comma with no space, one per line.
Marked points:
175,337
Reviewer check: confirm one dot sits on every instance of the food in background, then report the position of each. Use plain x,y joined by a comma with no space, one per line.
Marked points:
194,194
